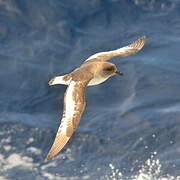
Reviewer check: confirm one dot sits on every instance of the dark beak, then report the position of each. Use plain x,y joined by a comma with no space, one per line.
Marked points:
119,73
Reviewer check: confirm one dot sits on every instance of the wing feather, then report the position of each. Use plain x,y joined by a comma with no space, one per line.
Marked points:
74,103
121,52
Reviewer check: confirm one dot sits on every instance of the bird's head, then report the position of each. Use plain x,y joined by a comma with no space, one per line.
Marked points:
108,69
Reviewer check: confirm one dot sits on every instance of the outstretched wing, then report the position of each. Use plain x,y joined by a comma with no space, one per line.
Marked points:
74,103
121,52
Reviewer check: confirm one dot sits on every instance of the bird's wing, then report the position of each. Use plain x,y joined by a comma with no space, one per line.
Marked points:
74,103
121,52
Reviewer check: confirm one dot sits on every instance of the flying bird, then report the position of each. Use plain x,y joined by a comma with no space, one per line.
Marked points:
93,71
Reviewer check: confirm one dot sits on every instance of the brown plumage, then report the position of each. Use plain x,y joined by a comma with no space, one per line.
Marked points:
93,71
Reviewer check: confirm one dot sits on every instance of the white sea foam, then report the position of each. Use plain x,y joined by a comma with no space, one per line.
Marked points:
3,178
151,170
15,160
34,150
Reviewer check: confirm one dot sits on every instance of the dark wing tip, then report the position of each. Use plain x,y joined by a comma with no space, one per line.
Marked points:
143,39
48,157
139,43
59,142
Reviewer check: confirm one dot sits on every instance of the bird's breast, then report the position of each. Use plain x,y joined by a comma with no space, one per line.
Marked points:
97,80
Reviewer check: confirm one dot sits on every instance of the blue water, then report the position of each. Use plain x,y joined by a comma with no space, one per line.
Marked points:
131,126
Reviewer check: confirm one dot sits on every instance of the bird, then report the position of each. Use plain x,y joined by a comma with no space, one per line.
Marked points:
92,71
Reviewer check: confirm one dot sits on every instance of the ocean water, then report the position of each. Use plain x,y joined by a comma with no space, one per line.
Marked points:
130,129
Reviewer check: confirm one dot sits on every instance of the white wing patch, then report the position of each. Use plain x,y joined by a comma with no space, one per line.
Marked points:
97,55
69,107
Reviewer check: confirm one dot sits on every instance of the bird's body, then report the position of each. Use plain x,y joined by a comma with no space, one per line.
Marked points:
88,68
93,71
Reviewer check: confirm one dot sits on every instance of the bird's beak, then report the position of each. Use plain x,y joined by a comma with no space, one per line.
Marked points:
119,73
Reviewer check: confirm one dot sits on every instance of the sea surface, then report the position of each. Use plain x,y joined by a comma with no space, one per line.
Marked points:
130,129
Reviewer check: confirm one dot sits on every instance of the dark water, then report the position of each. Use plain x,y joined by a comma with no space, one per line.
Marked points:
131,125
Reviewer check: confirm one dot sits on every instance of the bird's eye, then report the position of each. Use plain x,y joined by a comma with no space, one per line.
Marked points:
109,69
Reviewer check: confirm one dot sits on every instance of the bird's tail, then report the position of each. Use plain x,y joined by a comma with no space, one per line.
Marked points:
60,80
